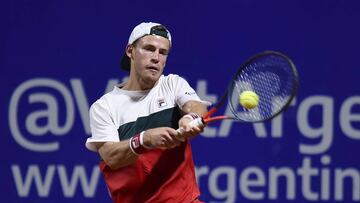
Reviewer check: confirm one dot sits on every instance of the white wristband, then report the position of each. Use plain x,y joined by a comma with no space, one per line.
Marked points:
142,138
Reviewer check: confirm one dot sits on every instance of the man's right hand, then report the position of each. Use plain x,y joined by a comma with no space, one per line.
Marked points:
162,137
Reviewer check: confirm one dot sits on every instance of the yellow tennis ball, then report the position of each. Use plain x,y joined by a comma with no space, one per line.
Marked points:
249,99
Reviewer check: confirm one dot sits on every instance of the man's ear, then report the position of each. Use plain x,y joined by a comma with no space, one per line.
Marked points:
129,49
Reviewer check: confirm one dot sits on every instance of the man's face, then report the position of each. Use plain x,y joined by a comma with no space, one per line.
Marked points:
149,57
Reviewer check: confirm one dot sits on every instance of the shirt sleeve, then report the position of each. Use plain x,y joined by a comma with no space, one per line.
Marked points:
102,126
184,92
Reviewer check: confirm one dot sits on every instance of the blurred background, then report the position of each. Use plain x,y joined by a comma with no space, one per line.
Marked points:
58,57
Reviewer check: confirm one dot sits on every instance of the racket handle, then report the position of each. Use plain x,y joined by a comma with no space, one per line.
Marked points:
196,122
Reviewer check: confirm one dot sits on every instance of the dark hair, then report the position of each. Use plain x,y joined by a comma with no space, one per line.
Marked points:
160,30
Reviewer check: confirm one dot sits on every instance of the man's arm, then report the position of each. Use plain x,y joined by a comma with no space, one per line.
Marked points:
119,154
116,154
196,107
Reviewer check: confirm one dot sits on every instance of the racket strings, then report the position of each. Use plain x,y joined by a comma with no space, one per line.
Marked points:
271,78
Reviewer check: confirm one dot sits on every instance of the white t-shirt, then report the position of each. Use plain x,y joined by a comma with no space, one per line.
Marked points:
120,107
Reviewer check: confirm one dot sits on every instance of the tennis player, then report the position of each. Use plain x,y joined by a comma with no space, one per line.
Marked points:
144,159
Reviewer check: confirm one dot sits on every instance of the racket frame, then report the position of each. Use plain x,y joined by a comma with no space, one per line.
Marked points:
207,118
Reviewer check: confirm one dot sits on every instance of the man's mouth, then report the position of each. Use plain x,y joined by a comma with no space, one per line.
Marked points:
153,68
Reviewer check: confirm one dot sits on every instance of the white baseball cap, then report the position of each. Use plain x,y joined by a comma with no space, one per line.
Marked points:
141,30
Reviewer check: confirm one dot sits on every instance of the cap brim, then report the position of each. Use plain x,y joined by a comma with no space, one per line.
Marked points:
125,63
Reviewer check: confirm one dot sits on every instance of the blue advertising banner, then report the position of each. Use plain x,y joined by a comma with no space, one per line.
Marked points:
58,57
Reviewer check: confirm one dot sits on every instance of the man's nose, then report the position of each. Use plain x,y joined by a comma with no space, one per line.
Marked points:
155,56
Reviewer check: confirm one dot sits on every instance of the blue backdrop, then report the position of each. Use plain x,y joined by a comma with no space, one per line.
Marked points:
58,57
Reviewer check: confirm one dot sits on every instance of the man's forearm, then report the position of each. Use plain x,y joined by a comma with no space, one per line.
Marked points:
117,154
195,107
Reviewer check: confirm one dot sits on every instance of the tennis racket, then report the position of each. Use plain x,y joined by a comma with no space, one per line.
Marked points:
272,76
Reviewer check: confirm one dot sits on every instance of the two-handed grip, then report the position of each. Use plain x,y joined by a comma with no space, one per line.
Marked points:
196,122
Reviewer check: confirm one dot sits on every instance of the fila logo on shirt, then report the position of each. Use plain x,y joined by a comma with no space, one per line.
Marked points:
162,103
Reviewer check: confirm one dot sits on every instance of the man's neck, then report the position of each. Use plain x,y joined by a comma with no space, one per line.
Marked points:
138,85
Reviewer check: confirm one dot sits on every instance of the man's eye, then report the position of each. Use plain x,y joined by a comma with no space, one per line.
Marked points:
164,52
148,48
